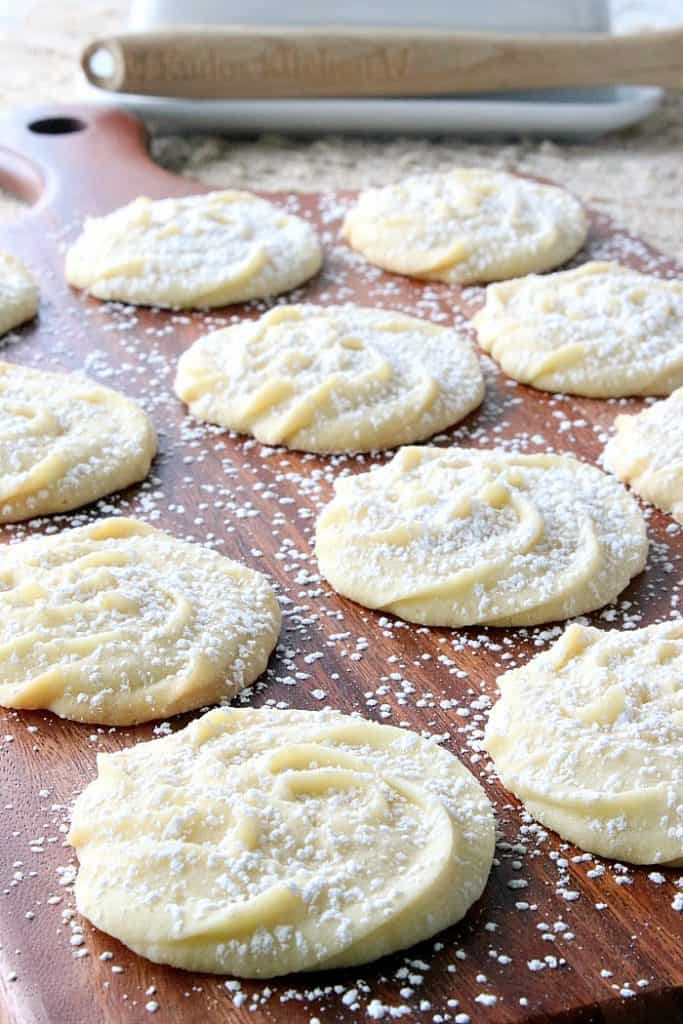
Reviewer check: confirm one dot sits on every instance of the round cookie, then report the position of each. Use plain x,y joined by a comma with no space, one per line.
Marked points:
261,842
647,453
66,441
455,536
600,330
466,226
589,736
18,293
332,378
198,251
118,623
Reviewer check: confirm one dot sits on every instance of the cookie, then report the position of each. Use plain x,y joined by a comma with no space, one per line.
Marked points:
455,536
18,293
600,330
198,251
117,623
261,842
589,736
332,379
646,452
66,441
466,226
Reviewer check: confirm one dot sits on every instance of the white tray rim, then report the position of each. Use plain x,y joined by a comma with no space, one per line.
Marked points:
540,116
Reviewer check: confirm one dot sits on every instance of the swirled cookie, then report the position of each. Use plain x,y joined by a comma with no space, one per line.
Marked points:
647,453
589,735
18,293
455,536
119,623
66,441
202,250
600,330
466,226
262,842
333,378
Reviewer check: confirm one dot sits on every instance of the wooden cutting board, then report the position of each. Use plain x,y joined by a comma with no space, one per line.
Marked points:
554,938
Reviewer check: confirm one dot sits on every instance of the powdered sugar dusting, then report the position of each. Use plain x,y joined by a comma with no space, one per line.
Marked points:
258,504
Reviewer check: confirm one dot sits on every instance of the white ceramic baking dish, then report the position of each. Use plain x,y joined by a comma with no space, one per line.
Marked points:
566,113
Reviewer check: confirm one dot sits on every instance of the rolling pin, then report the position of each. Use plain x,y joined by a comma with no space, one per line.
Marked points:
247,62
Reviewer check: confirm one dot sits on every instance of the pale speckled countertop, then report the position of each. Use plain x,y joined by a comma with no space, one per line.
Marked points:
635,175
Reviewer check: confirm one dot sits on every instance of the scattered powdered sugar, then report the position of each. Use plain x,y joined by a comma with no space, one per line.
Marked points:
258,505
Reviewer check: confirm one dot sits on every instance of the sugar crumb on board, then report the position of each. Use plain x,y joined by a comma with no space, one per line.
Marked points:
259,504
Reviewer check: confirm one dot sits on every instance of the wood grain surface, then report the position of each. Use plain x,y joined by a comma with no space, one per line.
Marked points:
582,941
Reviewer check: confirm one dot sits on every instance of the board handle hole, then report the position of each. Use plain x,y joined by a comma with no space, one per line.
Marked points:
56,126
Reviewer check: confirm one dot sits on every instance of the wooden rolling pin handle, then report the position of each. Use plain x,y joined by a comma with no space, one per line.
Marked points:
243,62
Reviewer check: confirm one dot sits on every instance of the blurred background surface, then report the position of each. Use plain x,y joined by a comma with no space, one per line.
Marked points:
636,175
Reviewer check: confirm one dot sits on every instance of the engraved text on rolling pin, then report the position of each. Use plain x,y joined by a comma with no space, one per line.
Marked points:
276,61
